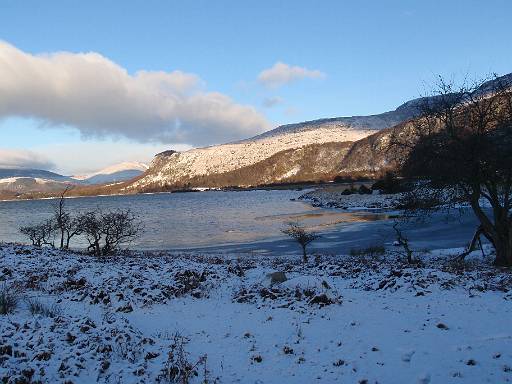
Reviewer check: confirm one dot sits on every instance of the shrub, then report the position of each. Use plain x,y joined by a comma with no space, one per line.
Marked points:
105,232
178,367
389,183
374,251
8,300
41,234
364,190
301,236
37,307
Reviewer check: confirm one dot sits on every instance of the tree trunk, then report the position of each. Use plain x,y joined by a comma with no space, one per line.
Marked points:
472,245
304,254
503,253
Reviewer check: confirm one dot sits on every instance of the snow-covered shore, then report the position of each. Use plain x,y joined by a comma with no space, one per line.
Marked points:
132,319
333,197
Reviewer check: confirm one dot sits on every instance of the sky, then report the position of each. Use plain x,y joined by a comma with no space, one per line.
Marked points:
87,84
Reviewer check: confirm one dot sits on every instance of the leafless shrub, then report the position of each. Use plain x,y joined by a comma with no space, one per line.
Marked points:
403,241
178,367
41,234
301,236
38,307
372,253
8,299
105,232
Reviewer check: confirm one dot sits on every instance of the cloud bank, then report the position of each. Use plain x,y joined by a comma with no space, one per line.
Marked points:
14,158
100,98
281,73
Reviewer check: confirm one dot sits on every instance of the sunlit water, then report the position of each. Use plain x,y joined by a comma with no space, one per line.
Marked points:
191,220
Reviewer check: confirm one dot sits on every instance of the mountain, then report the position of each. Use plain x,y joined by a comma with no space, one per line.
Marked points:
17,181
23,185
33,173
305,151
114,174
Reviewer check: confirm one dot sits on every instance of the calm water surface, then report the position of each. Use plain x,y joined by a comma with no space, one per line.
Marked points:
189,220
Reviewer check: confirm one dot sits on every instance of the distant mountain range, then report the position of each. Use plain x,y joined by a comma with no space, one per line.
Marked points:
114,174
21,181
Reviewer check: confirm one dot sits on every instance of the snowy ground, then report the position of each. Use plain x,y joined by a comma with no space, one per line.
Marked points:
332,197
338,319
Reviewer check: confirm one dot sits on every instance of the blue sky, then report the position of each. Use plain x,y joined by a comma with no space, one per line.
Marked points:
372,56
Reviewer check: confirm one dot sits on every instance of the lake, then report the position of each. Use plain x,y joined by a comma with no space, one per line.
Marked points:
193,220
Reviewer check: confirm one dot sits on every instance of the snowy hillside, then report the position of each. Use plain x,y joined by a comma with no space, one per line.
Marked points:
174,167
31,184
6,173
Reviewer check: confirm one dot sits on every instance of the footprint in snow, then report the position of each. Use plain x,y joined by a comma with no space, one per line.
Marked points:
407,356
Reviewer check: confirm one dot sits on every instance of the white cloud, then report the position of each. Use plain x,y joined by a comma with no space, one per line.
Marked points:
18,158
270,102
281,73
100,98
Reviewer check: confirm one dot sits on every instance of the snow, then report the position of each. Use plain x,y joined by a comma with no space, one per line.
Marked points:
228,157
384,322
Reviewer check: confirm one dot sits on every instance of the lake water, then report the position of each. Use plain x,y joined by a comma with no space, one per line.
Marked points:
192,220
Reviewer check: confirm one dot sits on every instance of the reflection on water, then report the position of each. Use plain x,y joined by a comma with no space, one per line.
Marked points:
188,220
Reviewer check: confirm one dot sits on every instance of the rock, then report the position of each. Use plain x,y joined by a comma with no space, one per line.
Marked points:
6,350
322,300
126,309
277,277
257,358
151,355
471,362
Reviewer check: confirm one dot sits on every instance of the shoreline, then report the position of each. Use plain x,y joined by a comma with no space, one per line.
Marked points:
270,187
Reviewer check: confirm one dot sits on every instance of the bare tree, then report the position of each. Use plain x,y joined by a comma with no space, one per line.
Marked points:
90,226
105,232
301,236
460,152
41,234
33,233
403,241
119,227
66,225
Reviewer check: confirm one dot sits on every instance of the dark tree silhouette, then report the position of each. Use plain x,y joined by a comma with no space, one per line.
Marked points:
66,226
460,152
105,232
41,234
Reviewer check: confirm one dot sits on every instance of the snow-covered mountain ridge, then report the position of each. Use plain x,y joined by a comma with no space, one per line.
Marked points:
121,167
115,173
171,168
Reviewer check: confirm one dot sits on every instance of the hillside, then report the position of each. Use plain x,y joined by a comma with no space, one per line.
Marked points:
271,157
